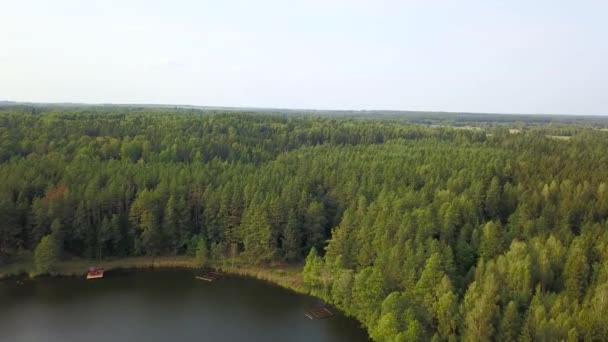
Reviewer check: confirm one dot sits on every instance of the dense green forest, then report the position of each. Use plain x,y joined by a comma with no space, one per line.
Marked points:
421,233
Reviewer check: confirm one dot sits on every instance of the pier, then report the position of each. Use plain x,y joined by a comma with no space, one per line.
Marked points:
209,276
318,313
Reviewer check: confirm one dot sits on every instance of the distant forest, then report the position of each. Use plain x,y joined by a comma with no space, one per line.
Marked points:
438,227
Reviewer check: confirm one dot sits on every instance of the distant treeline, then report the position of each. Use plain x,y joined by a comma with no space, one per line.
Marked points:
419,232
458,119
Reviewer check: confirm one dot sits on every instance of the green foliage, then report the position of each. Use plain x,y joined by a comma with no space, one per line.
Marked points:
202,253
257,235
46,255
386,329
446,311
510,324
291,238
420,232
368,291
491,241
9,231
576,272
342,287
480,309
312,269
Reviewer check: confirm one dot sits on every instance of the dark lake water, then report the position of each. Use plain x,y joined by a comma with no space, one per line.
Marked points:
162,305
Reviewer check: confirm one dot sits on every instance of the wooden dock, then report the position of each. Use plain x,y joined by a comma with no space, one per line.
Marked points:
318,313
209,276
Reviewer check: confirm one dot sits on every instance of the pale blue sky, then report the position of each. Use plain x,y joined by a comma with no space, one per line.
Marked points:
513,56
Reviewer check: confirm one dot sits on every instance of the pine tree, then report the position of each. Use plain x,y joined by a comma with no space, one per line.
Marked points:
104,235
576,272
341,291
510,324
446,310
312,269
119,242
171,224
492,199
291,238
9,239
257,235
368,291
202,253
480,309
386,328
491,243
314,224
425,290
414,330
151,233
341,243
46,255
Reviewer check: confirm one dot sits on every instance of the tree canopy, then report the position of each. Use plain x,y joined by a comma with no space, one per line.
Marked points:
420,232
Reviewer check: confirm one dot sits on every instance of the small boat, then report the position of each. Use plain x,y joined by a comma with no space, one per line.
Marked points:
95,273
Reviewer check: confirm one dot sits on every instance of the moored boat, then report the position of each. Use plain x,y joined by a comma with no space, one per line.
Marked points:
95,273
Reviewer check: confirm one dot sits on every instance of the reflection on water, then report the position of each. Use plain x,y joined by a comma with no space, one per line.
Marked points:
161,305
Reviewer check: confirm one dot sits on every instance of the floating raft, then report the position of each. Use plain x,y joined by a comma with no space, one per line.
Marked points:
95,273
209,276
318,313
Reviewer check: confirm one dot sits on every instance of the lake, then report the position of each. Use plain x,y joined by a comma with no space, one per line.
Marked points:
162,305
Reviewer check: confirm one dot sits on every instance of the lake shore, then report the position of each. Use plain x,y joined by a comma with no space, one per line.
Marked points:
161,304
282,274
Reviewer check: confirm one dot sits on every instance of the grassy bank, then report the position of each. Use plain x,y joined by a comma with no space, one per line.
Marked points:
77,267
285,275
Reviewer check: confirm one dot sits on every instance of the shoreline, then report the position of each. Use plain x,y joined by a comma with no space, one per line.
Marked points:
285,275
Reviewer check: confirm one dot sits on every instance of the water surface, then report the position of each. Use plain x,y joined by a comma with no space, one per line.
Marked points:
162,305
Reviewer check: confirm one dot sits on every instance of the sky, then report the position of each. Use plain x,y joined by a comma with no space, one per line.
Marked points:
516,56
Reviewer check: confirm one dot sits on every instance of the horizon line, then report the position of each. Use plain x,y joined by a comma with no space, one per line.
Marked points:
275,109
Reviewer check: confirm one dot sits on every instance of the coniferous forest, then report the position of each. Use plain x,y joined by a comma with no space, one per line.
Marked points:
475,230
